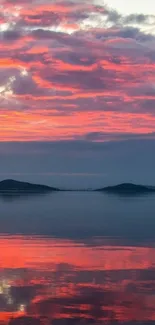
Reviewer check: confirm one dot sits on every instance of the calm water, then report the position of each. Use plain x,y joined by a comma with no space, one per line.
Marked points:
67,258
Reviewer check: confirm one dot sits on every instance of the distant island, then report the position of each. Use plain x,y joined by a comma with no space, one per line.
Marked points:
128,188
12,186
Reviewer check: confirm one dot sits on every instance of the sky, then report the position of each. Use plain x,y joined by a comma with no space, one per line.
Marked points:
77,91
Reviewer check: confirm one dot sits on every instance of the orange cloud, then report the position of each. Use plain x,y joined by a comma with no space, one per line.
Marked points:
40,125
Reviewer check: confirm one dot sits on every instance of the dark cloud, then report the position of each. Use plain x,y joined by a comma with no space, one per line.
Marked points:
11,35
101,136
25,320
138,19
86,163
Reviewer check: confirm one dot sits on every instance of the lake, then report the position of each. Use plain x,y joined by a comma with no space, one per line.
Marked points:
77,257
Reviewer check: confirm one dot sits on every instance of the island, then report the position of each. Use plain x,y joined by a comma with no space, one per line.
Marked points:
127,189
11,186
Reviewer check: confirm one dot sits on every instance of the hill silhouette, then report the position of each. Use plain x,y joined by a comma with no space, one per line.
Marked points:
128,188
10,186
13,186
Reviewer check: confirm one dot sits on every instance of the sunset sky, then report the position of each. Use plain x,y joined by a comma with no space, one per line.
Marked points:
77,84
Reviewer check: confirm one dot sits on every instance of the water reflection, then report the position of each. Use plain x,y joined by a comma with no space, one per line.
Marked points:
79,215
48,281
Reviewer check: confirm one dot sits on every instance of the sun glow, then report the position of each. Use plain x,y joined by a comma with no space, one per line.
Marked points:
24,72
6,90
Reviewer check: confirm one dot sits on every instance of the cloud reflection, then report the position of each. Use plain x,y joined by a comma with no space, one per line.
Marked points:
56,280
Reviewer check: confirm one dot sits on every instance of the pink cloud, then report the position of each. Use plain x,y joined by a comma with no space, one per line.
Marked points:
71,78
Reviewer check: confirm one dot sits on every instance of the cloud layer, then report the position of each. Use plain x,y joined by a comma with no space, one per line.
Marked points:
75,70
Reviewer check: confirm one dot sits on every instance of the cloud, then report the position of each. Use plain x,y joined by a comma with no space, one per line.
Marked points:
101,136
76,69
25,320
93,160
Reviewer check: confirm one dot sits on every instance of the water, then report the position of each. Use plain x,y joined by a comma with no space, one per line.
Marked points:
77,257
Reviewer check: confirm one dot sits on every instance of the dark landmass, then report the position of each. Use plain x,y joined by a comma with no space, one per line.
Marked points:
10,186
128,188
